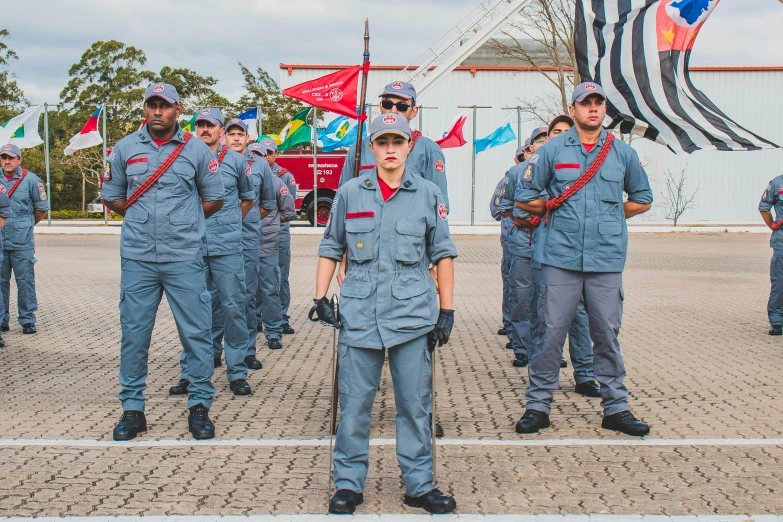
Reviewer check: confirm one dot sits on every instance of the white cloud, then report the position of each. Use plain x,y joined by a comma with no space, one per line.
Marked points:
210,37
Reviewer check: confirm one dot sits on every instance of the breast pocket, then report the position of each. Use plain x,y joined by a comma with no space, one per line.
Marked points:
409,241
360,237
611,194
180,180
136,172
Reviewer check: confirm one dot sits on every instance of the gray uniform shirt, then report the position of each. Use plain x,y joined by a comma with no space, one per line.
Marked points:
270,225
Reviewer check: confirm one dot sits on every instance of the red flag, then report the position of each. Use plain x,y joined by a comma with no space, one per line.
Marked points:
336,92
454,137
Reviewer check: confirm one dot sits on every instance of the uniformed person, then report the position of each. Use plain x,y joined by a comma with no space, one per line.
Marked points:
5,213
223,262
268,294
236,136
505,225
285,233
580,345
583,245
773,198
28,206
392,224
164,182
520,276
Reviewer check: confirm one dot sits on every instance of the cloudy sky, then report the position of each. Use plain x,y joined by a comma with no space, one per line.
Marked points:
210,37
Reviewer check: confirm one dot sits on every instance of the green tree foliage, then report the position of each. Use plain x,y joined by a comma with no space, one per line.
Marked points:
195,91
262,91
11,96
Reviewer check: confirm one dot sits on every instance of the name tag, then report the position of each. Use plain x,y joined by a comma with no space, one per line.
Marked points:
137,160
561,166
359,215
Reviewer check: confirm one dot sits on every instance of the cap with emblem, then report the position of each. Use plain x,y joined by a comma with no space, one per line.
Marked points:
526,146
258,148
11,150
390,124
543,130
210,114
270,145
236,122
401,89
583,90
162,90
564,118
520,151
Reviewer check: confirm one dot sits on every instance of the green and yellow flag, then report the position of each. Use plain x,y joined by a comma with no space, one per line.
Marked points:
190,126
273,137
296,131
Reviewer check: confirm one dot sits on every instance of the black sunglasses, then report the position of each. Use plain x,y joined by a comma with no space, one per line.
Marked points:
6,157
401,106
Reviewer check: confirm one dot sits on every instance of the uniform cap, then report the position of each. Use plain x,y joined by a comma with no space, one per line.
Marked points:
236,122
526,145
257,148
210,114
390,124
583,90
401,89
162,90
538,131
11,150
270,145
520,151
563,117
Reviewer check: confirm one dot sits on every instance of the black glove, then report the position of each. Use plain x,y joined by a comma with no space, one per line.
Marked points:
440,334
324,310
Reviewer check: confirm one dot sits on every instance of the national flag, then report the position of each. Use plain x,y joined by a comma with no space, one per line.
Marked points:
500,136
190,126
639,52
454,138
22,130
341,132
336,92
250,117
88,136
296,131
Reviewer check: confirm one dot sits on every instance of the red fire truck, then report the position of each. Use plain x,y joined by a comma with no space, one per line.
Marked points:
330,165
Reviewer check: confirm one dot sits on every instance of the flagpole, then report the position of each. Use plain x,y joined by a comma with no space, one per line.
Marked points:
105,140
315,167
48,175
258,123
421,116
519,122
473,163
357,159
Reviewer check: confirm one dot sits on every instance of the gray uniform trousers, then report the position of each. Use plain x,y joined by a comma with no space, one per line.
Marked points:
520,282
284,261
504,272
775,305
268,298
360,374
21,262
226,283
251,256
580,345
561,291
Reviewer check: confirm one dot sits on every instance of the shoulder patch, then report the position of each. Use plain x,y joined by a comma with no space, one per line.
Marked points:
284,190
107,171
335,201
442,212
528,174
440,166
247,170
42,196
213,165
533,159
112,156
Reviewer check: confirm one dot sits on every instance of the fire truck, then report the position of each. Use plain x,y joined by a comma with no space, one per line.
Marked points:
330,165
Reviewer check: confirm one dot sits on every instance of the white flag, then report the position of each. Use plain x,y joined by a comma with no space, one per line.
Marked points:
22,130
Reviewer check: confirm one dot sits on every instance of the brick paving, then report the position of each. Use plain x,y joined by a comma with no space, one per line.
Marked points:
699,361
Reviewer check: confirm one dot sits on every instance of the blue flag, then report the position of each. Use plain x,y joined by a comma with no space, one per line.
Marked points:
499,136
250,117
341,132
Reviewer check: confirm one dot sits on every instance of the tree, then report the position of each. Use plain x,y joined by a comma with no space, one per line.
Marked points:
677,200
542,37
195,91
262,91
110,72
11,96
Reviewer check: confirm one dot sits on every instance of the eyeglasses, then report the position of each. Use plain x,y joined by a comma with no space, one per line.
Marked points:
401,106
6,157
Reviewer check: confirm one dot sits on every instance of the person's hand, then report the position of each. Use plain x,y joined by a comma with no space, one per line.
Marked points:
434,274
442,331
341,272
775,225
323,312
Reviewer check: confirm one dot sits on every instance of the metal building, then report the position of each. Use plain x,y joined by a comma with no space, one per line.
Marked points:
729,183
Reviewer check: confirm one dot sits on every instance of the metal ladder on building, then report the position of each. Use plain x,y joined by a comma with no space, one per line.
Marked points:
468,35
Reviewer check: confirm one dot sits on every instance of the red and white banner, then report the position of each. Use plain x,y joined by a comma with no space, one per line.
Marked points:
454,137
336,92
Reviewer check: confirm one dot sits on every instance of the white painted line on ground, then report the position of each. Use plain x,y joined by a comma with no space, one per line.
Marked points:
91,443
414,518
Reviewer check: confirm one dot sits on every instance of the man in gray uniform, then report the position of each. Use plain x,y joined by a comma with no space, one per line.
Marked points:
28,206
583,245
225,269
285,233
5,213
505,225
392,224
773,198
268,295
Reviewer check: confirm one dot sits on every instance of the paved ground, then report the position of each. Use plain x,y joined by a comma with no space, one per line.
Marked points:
700,366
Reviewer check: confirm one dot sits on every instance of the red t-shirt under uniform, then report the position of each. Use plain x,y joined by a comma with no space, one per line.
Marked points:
386,190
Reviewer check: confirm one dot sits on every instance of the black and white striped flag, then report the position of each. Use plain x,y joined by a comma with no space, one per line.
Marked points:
638,51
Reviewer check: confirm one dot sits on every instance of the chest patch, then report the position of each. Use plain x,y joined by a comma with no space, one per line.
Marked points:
359,215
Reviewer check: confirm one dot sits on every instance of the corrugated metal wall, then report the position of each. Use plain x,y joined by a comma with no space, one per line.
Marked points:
729,183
